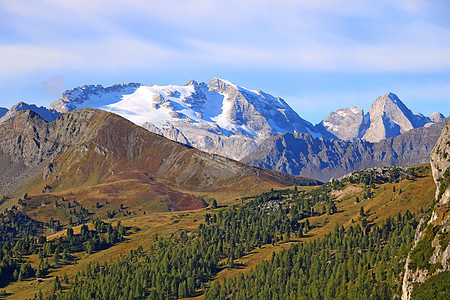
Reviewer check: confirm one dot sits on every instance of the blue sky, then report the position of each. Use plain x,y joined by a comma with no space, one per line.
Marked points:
318,55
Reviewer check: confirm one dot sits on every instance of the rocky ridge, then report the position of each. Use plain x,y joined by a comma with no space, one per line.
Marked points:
48,115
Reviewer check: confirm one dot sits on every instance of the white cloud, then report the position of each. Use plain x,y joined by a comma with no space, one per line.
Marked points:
323,35
54,86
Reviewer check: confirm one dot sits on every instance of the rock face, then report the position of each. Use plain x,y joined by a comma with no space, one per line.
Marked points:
303,155
89,148
48,115
219,117
433,233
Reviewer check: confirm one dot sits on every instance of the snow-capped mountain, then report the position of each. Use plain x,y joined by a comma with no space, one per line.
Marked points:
48,115
219,117
387,117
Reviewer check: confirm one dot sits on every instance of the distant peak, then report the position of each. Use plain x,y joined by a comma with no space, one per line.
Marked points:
191,82
220,80
218,84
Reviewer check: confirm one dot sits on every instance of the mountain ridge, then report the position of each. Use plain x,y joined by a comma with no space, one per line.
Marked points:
304,155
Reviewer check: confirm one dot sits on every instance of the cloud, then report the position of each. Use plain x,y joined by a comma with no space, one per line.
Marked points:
54,86
324,35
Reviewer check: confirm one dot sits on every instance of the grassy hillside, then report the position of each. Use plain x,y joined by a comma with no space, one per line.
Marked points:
278,219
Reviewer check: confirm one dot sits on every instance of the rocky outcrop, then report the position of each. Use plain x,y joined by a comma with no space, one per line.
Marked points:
48,115
303,155
435,234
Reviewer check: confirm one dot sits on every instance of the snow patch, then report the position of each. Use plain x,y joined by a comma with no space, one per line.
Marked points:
341,113
354,110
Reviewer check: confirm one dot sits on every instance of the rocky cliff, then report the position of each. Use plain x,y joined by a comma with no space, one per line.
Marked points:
431,252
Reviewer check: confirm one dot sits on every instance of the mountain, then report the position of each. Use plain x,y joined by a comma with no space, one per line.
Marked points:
90,155
3,111
387,117
48,115
304,155
223,118
219,117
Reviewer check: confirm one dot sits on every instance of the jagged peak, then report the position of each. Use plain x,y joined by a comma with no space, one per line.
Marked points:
220,84
191,82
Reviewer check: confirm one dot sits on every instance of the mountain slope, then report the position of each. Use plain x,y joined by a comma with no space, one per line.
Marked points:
303,155
94,155
218,117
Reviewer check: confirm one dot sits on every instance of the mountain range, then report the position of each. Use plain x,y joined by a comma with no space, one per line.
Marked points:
223,118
